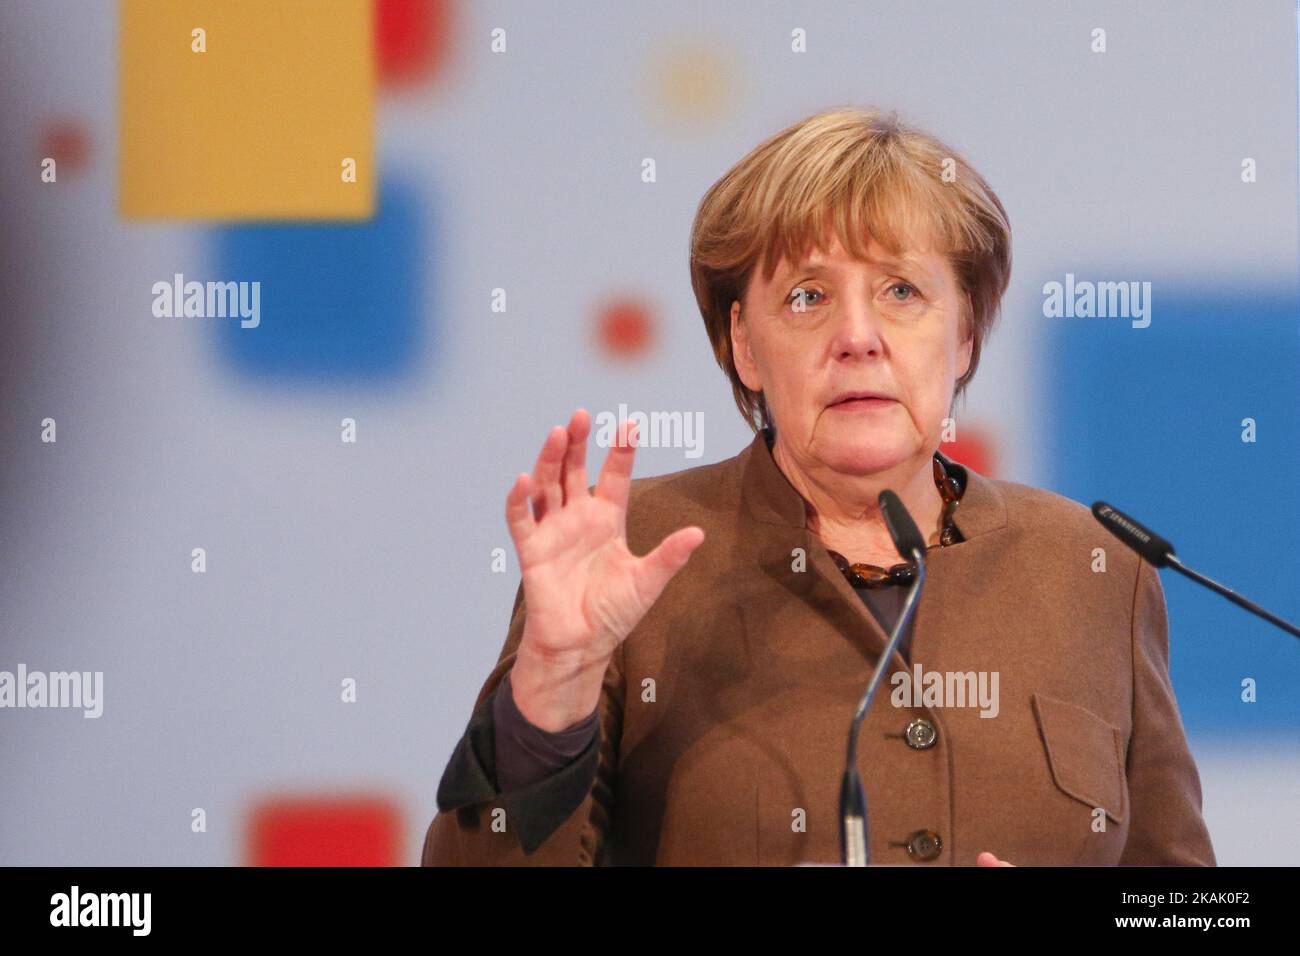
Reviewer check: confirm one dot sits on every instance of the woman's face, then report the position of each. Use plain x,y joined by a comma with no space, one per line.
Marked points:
832,325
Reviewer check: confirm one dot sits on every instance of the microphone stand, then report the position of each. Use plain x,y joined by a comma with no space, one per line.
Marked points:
854,847
1172,561
1160,553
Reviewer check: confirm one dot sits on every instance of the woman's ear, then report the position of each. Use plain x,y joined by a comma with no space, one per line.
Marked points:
741,352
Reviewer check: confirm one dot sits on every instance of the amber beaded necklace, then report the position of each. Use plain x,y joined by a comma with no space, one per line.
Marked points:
872,576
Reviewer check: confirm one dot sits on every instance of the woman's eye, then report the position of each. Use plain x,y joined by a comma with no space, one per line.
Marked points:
800,299
907,287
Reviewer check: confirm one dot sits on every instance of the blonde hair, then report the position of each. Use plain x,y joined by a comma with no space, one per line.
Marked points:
866,175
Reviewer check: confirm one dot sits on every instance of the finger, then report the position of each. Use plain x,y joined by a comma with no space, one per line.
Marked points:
575,459
546,473
989,859
615,479
657,568
519,519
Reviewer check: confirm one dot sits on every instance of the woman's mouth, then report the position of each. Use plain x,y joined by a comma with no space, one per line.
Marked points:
864,404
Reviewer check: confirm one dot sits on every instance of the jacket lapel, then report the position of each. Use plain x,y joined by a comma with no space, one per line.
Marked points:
769,500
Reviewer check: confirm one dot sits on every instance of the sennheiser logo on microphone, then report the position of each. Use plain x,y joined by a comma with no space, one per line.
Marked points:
1113,516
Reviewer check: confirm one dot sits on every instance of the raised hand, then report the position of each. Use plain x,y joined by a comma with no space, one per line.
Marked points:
584,591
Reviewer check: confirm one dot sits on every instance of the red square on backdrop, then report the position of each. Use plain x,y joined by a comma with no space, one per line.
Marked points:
410,40
975,449
325,831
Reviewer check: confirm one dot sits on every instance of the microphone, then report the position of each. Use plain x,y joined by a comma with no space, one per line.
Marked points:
907,539
1160,553
1142,540
855,849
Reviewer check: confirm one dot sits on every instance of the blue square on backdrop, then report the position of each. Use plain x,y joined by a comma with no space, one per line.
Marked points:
340,303
1150,420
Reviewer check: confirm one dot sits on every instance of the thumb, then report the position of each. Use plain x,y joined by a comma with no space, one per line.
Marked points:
657,568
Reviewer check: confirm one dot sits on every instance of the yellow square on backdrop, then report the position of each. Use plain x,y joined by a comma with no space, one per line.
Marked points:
261,124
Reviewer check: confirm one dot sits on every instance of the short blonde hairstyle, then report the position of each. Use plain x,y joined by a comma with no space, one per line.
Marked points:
866,175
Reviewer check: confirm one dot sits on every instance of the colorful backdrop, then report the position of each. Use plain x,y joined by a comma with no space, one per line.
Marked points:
465,220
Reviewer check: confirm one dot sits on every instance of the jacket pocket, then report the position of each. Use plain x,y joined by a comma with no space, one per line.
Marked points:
1085,753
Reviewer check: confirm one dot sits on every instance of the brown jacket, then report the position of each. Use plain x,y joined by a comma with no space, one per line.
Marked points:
724,716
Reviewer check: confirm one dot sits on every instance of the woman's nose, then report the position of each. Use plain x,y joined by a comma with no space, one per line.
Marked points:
856,330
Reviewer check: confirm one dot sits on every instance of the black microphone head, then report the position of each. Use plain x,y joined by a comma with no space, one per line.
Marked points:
1142,540
901,526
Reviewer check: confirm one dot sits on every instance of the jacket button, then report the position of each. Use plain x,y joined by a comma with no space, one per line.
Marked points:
924,845
921,734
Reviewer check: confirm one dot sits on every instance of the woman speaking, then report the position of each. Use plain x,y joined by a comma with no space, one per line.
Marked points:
686,651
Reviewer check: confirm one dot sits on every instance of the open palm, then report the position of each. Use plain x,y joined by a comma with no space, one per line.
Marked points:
583,589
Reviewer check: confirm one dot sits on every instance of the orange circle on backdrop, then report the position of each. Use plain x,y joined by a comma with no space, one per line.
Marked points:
625,329
67,142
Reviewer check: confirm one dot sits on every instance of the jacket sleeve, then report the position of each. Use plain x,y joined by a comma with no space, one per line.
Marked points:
524,753
1165,827
560,820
